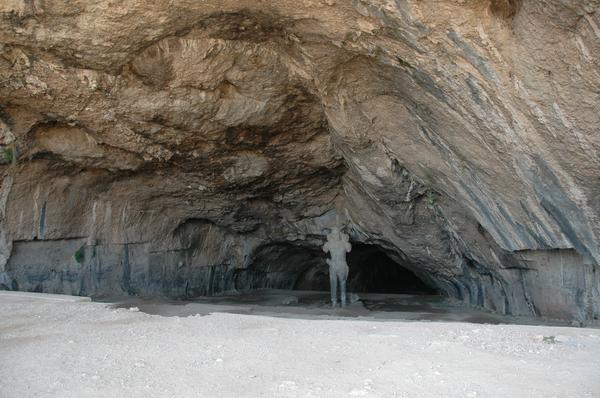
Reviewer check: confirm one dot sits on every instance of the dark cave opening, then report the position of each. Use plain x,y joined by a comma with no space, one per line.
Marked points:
293,267
372,270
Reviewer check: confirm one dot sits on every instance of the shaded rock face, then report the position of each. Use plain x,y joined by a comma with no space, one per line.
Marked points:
193,148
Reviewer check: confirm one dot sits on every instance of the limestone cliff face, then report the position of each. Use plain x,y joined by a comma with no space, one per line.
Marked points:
166,147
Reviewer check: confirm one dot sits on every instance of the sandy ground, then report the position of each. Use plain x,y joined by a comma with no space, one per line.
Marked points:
59,346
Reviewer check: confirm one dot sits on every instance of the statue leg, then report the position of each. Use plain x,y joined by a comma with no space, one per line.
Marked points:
343,291
343,277
333,286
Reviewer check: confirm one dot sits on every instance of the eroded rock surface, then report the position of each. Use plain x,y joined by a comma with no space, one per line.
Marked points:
194,147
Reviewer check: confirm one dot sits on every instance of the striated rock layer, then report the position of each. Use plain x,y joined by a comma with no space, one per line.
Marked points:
192,147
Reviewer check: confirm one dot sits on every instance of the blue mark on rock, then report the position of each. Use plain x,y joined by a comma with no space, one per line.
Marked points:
42,228
472,56
565,212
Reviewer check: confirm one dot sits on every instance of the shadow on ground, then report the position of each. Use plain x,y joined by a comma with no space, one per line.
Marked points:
315,305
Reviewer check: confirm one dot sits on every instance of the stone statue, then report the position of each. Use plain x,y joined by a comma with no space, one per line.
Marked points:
338,244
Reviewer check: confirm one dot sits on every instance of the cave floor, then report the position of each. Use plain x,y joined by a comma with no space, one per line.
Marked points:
63,346
316,305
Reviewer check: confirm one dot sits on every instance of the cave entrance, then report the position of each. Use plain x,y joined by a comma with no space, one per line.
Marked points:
291,267
372,270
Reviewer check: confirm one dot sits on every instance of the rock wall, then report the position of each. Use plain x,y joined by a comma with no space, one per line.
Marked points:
159,148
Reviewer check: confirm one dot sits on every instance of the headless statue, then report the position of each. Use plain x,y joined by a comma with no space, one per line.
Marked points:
337,245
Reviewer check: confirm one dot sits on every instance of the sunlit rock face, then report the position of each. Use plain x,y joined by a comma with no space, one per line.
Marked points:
186,148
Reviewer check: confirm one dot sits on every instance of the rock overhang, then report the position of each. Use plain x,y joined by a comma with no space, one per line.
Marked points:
436,130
